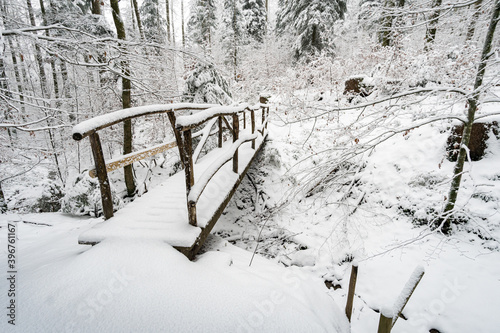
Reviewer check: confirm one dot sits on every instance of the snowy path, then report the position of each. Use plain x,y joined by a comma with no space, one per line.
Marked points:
161,214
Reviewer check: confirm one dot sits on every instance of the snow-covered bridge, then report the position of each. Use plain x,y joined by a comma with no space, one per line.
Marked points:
183,210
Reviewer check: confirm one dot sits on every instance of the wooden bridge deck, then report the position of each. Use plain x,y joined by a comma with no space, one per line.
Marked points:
161,214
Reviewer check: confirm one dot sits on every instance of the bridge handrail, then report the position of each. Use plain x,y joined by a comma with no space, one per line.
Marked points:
205,178
87,127
184,123
183,131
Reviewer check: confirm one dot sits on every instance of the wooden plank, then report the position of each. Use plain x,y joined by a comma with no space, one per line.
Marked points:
205,134
102,175
191,252
220,162
134,157
115,118
411,285
183,124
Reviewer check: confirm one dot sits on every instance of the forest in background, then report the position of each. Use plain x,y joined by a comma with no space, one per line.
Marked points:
66,61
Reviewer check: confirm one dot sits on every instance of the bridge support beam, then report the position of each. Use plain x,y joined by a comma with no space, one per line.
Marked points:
187,149
236,134
102,175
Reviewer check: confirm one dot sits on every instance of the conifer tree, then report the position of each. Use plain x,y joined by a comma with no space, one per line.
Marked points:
310,23
254,12
152,22
202,23
232,21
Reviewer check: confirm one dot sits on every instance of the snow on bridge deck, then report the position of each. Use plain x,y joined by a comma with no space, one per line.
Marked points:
161,213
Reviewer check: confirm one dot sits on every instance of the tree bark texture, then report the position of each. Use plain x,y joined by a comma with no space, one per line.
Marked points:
473,101
126,90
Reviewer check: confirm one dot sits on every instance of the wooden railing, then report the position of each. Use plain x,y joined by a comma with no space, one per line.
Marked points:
183,126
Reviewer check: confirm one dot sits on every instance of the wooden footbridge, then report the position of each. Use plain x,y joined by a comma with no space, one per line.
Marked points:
183,210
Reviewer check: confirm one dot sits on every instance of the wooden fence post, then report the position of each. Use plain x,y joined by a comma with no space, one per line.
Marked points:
352,287
177,134
267,116
236,130
102,175
189,173
384,324
220,132
263,100
252,116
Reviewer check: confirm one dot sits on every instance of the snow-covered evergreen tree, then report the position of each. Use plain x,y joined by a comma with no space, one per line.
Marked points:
206,85
254,12
152,22
310,22
233,23
202,22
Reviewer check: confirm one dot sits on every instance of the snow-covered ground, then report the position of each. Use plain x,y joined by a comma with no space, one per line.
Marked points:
375,209
150,287
318,198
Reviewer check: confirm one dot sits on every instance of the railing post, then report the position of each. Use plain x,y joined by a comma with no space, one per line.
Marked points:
220,132
352,287
252,116
189,173
236,132
385,323
263,100
177,134
102,175
267,116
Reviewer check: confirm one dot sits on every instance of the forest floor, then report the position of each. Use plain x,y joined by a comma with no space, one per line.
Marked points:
312,204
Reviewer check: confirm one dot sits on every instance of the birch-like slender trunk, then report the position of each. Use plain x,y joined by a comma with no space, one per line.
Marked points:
473,101
126,91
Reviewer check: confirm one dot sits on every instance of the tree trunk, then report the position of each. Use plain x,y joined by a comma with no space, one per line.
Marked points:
167,17
430,34
172,23
126,87
385,35
472,25
96,7
137,16
182,25
473,101
38,52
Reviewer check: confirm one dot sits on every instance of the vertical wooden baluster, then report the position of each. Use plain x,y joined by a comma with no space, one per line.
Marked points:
263,100
102,175
236,132
267,116
220,132
252,116
384,324
177,134
189,173
350,295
